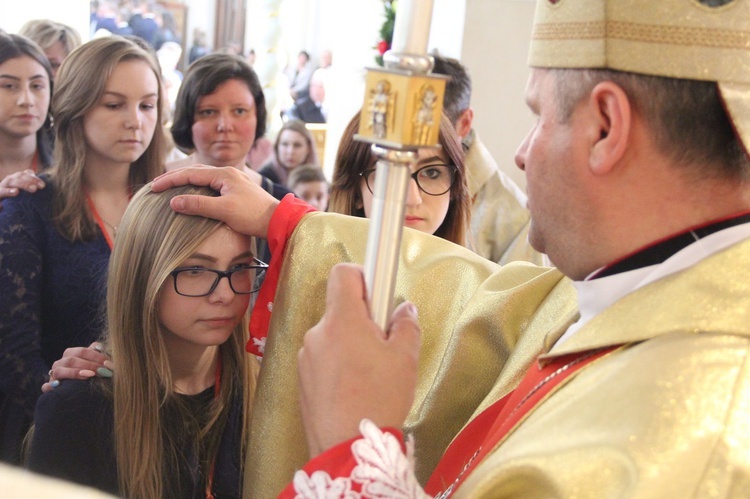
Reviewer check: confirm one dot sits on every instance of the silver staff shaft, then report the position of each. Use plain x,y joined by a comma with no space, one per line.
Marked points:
386,226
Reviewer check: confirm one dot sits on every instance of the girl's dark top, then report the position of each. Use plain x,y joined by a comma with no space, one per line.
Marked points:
74,440
51,299
270,173
278,191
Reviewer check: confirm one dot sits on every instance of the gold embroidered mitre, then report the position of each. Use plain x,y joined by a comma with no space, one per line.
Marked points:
692,39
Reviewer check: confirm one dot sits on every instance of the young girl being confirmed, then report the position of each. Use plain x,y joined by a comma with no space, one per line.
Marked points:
172,421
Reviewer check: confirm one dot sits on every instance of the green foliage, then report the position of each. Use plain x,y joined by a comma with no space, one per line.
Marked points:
386,30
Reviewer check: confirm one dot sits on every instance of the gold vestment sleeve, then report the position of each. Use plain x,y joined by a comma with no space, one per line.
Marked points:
472,314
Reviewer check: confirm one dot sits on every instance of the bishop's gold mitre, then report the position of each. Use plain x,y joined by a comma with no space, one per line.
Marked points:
693,39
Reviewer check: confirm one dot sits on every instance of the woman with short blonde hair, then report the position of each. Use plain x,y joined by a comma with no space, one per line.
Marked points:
57,40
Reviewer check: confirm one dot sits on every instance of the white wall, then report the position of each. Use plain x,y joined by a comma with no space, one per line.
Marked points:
350,29
495,49
200,13
447,27
74,13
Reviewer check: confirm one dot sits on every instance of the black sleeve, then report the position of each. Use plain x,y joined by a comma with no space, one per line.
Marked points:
73,436
276,190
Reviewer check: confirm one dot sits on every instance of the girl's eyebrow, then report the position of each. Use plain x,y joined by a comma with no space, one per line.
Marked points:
16,78
202,256
123,96
212,259
431,160
242,256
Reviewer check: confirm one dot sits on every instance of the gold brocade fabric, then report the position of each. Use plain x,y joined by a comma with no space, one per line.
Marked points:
666,417
472,314
690,39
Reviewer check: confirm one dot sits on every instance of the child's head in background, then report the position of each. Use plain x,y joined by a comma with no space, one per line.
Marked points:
310,184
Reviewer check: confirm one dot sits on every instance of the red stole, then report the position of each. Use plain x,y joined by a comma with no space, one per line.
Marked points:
482,435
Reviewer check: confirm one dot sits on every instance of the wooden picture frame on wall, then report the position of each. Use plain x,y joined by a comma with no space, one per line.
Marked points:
230,26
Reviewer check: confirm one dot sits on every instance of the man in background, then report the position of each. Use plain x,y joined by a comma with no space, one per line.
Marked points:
499,218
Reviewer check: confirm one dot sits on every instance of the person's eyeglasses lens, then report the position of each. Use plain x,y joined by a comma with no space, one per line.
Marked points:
199,282
434,180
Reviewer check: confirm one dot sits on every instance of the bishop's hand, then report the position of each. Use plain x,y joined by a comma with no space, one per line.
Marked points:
243,204
350,369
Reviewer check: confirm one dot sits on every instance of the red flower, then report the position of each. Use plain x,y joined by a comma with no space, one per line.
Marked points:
383,46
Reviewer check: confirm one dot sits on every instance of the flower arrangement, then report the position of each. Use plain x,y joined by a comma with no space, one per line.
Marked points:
386,30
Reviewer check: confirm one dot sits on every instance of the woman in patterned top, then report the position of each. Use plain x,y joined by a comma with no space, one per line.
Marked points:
55,244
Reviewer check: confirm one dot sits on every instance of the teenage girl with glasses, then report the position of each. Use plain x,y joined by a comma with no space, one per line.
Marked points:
437,199
173,421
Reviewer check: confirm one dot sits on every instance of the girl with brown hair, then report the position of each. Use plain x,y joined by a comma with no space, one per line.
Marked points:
437,200
56,243
294,146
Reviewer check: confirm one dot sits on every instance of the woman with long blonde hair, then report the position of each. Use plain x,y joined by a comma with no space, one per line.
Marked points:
55,243
172,421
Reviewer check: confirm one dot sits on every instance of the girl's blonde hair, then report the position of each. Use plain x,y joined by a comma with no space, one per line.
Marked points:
80,84
152,240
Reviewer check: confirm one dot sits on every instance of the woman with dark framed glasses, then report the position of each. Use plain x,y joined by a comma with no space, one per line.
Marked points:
437,200
197,281
173,422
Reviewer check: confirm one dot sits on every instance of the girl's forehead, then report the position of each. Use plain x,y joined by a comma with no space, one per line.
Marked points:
290,134
22,64
224,241
432,154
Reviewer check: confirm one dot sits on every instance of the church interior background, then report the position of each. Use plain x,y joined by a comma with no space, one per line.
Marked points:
490,37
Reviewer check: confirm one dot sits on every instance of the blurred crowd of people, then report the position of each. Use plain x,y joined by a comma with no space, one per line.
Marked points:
148,20
307,88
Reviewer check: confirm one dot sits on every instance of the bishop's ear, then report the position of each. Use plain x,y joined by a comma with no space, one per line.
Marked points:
612,111
464,122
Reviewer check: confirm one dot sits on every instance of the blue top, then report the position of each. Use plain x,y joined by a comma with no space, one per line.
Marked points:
52,298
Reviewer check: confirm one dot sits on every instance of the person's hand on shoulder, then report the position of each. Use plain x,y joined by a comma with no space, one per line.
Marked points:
79,363
16,182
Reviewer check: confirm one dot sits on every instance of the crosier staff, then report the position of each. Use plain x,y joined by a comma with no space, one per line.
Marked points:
400,115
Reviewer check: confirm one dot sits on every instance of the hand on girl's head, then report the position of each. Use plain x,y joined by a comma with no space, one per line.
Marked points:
243,204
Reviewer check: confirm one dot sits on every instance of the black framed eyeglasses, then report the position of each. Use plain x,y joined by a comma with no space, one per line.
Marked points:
434,179
200,281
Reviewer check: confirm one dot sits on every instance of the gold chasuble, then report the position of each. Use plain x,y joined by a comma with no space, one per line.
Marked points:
472,314
666,417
